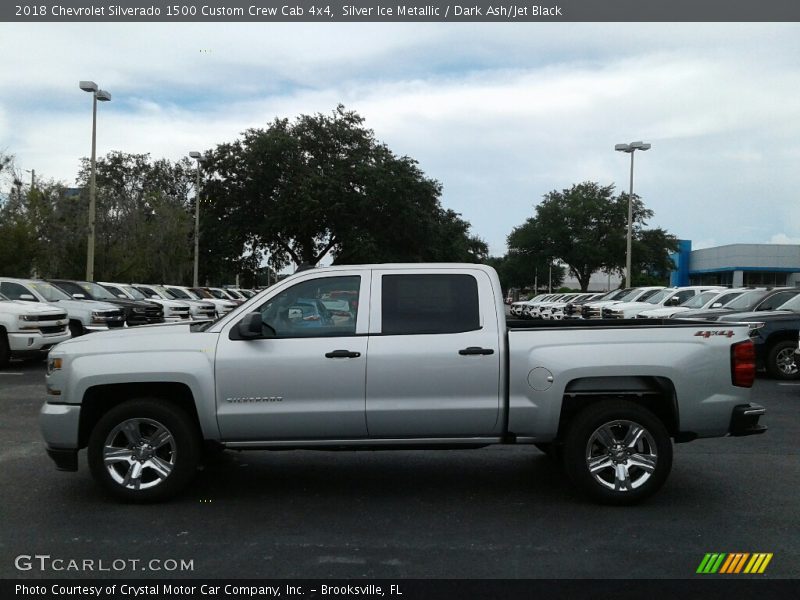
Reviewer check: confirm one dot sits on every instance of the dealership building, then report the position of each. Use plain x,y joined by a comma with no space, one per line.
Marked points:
737,265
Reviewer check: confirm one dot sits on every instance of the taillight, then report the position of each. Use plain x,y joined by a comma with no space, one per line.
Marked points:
743,364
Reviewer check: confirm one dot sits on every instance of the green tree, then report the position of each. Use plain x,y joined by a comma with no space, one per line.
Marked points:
519,270
324,185
144,223
585,227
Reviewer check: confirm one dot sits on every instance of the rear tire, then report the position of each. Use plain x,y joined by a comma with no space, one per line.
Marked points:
780,361
5,350
144,450
617,452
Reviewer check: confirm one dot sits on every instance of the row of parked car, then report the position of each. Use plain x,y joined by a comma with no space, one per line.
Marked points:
35,315
773,313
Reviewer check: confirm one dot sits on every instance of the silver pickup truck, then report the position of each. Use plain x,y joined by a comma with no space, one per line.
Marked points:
395,356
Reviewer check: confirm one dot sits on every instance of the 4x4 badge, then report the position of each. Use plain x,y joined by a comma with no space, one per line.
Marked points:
707,334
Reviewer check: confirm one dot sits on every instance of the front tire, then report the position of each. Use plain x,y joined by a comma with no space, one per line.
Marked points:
617,452
780,361
144,450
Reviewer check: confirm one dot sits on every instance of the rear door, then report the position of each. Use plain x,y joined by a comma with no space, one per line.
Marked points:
434,354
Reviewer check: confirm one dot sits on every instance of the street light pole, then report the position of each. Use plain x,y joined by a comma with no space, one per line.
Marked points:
103,96
200,158
630,149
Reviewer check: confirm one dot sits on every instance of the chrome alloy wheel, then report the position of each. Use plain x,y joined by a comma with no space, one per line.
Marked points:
139,453
621,455
784,360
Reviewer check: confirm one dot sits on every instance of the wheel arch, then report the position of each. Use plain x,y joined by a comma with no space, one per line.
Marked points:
655,393
99,399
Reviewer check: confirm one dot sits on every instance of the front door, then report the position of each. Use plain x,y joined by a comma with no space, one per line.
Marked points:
306,382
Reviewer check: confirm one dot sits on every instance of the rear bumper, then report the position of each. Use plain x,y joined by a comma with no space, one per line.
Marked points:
744,420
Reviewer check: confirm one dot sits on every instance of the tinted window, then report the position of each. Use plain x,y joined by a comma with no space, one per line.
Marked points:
301,311
429,304
14,291
72,288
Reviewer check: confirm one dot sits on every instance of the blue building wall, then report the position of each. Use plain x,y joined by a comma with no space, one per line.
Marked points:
681,258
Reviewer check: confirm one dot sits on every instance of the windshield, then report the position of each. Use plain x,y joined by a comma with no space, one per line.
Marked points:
793,304
98,292
4,299
630,295
149,291
218,294
659,297
202,293
178,293
134,292
50,292
699,300
746,301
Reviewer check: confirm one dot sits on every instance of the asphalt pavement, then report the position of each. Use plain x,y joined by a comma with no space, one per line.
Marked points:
498,512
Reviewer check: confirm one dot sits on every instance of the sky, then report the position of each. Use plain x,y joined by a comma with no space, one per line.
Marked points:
500,114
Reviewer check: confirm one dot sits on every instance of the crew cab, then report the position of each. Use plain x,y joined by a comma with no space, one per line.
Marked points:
426,360
29,330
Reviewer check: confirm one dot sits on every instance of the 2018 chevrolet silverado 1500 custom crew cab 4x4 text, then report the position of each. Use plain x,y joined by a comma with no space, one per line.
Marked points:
424,359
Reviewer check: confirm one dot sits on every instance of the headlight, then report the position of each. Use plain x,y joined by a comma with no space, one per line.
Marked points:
140,311
99,317
54,364
28,318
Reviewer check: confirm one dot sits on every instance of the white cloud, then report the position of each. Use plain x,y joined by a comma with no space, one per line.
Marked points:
499,114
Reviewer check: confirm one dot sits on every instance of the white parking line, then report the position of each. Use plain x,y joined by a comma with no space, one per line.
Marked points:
789,384
12,373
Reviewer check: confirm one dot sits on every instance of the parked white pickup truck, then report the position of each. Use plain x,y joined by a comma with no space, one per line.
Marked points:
425,360
29,330
85,316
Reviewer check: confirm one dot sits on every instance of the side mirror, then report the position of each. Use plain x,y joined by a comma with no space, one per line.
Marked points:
122,296
716,305
252,327
79,296
674,301
28,297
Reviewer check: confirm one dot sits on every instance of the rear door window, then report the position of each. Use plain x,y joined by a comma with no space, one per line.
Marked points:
429,303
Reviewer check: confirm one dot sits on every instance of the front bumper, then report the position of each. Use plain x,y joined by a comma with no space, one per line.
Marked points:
34,341
744,420
59,425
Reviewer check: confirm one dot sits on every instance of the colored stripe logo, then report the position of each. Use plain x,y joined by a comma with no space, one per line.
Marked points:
734,563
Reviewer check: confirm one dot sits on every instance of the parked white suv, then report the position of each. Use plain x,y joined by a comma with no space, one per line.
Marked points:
29,330
84,316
